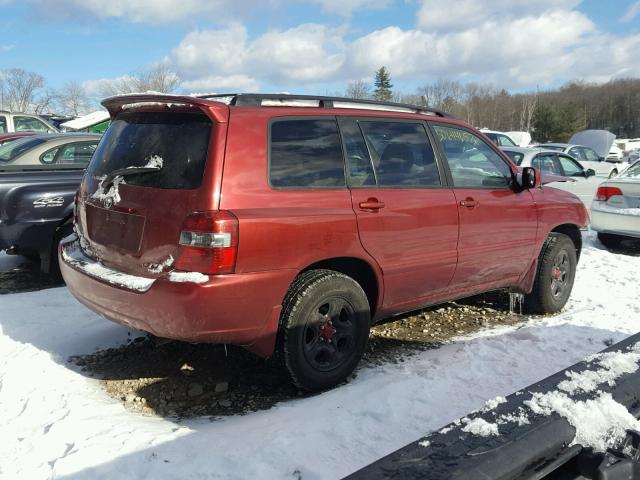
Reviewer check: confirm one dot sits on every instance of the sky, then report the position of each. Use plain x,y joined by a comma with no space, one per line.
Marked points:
319,46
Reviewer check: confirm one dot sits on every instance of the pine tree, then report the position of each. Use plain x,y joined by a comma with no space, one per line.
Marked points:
383,85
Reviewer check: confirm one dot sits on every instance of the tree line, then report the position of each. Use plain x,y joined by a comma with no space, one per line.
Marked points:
25,91
550,115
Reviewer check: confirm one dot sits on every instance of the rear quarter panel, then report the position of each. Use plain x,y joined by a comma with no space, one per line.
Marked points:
281,228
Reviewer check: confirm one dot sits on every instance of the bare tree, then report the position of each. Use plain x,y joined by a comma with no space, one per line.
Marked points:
358,89
158,79
20,88
72,99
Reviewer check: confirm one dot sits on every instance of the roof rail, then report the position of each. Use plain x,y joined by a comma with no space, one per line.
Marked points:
287,100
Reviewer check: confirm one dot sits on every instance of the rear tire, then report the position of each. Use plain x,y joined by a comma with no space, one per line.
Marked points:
610,240
63,231
555,275
324,329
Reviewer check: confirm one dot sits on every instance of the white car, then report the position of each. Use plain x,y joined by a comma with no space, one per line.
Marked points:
582,182
499,138
587,157
615,212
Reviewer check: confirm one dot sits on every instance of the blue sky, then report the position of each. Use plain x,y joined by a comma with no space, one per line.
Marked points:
319,46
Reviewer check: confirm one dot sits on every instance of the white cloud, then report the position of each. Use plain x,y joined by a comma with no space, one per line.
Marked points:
632,12
307,53
446,14
526,51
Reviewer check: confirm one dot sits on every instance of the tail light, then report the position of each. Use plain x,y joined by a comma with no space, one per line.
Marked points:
605,193
208,243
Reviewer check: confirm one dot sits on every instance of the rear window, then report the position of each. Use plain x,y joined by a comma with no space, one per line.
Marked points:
306,154
10,151
133,139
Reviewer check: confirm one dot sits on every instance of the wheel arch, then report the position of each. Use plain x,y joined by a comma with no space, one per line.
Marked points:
573,232
358,269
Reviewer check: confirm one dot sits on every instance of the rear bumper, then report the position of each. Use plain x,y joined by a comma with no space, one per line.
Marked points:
238,309
615,223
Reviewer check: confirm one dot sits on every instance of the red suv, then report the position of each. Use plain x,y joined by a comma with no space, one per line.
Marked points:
295,222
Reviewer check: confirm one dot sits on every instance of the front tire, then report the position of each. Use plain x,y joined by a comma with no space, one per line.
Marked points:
555,275
324,329
609,240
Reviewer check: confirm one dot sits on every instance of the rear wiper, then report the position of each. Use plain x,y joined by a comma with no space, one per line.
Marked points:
123,172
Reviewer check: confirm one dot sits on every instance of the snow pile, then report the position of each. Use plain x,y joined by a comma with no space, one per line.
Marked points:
159,267
193,277
112,193
74,257
600,423
59,423
614,365
480,427
493,403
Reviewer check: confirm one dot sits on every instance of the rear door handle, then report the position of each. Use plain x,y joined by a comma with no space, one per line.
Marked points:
371,204
469,203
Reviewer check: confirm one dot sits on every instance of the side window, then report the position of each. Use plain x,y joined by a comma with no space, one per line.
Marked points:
570,167
49,156
361,172
70,154
401,153
516,157
29,124
577,153
547,163
473,163
591,155
3,124
306,154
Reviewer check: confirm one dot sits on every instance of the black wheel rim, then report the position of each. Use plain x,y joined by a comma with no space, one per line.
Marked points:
560,272
329,334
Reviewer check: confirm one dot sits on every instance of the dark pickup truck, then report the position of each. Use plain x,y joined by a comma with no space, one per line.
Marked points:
36,210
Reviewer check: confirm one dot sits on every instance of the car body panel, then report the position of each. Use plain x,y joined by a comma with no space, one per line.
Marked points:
620,214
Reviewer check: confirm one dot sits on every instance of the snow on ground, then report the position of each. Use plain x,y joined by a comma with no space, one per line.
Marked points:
58,423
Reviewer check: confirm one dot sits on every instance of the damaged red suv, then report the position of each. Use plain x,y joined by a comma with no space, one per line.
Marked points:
295,222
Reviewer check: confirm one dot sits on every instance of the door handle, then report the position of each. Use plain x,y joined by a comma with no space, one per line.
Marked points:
371,204
469,203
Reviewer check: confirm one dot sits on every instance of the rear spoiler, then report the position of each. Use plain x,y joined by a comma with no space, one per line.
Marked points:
540,449
218,110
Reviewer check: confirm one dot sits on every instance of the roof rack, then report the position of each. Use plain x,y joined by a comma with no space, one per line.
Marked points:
287,100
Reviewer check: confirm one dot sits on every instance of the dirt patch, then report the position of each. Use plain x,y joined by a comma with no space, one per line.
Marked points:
177,379
26,277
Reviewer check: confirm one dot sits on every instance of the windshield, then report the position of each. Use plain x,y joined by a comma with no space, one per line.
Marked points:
12,150
177,142
633,171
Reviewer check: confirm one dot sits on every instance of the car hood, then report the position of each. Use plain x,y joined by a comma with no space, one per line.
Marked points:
598,140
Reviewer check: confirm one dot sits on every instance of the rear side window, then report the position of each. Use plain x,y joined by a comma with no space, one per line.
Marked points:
306,153
29,124
401,154
181,140
3,124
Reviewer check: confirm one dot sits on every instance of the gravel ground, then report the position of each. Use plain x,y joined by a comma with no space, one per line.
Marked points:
156,377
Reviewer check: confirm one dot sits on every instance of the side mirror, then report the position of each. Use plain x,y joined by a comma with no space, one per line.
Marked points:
528,178
601,159
590,172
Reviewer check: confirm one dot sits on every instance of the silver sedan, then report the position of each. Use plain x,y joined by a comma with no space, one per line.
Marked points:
582,182
615,212
50,150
